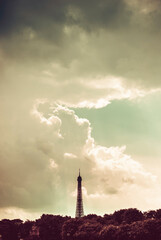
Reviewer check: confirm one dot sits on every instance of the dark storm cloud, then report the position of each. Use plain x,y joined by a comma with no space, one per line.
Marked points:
35,30
15,15
47,19
122,37
102,14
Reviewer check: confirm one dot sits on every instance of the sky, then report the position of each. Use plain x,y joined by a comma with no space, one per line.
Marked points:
80,87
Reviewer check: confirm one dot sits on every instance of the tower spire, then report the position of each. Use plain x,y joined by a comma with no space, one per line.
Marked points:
79,207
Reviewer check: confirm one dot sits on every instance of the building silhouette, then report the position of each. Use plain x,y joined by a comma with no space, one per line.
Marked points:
79,205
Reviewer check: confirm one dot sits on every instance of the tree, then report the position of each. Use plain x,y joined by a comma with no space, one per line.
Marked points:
51,226
132,215
150,214
118,216
25,228
153,226
109,233
158,214
70,227
124,232
88,230
9,229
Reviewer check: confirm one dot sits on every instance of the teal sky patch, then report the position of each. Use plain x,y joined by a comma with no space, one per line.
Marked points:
135,124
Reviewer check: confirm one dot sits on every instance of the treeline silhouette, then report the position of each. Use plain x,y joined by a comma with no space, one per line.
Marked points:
125,224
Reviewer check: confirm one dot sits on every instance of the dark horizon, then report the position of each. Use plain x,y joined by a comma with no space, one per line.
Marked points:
125,224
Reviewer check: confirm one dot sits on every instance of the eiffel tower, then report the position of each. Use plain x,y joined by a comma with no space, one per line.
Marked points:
79,207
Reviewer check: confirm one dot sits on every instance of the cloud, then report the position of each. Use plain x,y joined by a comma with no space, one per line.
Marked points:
116,170
60,12
47,163
59,55
18,213
110,170
69,155
53,164
72,53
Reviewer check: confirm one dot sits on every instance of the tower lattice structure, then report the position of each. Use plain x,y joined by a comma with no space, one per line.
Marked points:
79,206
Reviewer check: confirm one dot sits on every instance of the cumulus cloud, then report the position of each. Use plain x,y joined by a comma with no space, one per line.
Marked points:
116,170
110,170
47,163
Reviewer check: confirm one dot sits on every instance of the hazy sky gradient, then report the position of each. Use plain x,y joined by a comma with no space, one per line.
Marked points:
80,87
